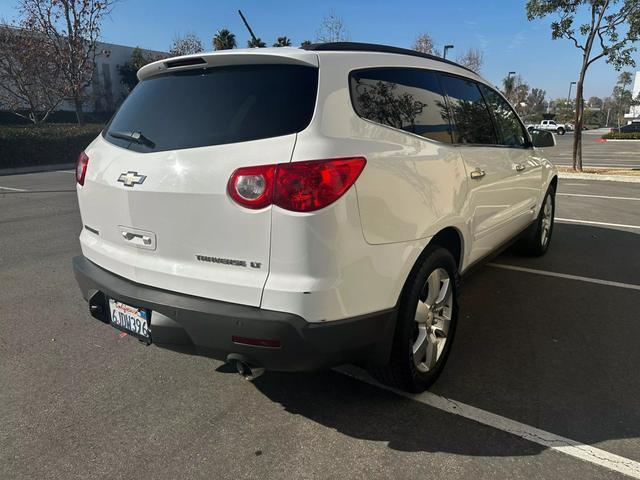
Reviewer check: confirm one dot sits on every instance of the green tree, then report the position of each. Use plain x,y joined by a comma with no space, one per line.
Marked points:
595,102
256,43
306,43
515,89
282,42
534,105
612,28
224,40
622,97
129,71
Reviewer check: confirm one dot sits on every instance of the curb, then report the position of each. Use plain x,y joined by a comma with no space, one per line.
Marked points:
617,140
595,176
37,168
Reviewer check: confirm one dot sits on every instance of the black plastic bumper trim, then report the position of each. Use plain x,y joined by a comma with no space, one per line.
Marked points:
206,326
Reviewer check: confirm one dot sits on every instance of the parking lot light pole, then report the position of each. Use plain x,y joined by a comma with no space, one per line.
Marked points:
446,48
569,96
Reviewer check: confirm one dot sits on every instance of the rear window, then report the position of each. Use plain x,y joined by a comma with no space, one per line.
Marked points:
404,98
214,106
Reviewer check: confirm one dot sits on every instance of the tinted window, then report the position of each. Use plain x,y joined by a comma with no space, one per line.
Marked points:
212,106
407,99
510,129
471,118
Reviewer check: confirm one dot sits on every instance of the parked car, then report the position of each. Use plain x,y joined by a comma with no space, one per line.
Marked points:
295,209
551,125
628,128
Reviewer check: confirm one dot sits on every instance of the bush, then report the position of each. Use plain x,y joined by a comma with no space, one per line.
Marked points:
622,136
48,144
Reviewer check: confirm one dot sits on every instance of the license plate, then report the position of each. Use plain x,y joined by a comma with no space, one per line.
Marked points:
130,319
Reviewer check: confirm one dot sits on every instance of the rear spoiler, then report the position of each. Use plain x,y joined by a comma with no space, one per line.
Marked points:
250,56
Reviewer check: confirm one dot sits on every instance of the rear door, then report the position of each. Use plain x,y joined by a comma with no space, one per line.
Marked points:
516,145
490,174
155,204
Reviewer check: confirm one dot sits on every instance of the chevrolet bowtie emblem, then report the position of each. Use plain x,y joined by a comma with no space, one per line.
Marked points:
131,178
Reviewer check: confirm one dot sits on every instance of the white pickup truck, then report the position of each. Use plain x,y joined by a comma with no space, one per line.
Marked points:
559,128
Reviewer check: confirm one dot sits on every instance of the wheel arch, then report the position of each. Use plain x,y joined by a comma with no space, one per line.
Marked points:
451,239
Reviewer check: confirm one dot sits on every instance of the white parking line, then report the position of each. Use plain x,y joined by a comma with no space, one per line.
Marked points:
629,286
598,196
13,189
546,439
600,165
587,222
64,171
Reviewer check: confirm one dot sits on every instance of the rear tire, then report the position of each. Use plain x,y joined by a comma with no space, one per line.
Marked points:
427,318
535,241
561,131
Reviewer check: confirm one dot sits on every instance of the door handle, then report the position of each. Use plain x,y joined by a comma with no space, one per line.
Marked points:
477,173
520,167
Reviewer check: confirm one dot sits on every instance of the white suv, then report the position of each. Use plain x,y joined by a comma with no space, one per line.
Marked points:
295,209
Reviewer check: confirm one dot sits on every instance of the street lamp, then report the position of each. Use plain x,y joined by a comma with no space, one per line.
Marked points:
447,47
569,96
511,73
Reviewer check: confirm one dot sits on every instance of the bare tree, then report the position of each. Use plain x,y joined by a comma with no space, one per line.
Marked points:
30,81
425,44
515,89
70,29
473,59
332,29
186,45
611,31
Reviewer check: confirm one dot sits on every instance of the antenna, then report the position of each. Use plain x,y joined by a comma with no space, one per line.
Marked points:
246,24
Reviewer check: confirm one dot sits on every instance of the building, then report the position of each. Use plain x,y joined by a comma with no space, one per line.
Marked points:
107,90
634,111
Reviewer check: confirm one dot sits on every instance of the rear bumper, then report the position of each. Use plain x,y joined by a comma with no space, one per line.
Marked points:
204,326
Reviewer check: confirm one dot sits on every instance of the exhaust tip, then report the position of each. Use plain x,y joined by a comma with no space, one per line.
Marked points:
245,369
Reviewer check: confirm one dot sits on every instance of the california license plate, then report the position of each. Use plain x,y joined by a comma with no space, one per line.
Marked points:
133,320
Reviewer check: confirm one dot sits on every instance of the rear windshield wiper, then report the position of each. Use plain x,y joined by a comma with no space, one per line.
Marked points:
136,137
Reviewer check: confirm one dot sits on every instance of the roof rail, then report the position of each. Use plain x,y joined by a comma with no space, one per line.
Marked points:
373,47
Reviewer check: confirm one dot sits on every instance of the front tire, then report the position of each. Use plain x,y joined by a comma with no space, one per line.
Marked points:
427,318
537,238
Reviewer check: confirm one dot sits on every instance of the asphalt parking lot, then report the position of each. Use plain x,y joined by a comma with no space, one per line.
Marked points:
595,153
551,343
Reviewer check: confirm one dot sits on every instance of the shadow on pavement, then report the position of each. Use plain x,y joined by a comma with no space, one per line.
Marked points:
560,355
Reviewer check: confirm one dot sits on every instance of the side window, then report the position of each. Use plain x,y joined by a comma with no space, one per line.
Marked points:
471,118
510,129
403,98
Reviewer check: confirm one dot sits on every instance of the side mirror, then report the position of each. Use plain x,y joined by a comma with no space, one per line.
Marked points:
543,138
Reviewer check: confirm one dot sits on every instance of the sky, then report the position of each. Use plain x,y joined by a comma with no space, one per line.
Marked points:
497,27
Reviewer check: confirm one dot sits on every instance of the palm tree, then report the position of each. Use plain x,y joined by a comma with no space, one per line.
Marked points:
224,40
257,43
282,42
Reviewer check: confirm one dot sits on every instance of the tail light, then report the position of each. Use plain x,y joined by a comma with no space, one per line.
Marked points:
252,187
81,168
298,186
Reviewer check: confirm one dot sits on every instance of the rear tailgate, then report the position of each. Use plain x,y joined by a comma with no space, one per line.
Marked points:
156,210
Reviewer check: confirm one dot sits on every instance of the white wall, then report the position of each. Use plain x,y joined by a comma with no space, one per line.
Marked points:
634,112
